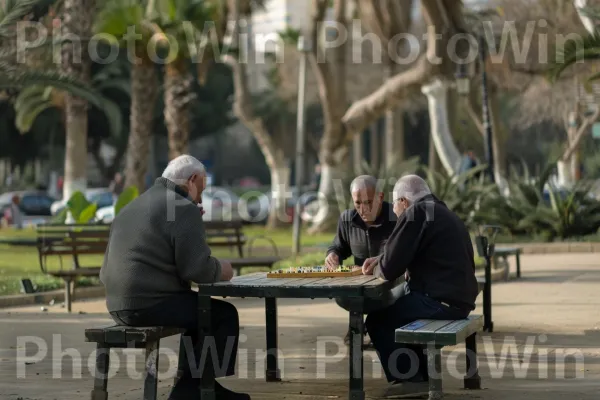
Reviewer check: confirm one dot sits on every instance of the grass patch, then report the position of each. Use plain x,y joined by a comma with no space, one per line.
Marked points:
18,262
21,262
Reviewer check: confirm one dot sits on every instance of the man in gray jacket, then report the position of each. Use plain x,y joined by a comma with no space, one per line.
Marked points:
157,247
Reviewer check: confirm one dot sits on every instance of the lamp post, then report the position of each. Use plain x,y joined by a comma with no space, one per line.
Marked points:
304,46
463,88
487,123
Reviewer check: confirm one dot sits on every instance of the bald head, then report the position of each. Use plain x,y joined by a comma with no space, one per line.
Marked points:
411,187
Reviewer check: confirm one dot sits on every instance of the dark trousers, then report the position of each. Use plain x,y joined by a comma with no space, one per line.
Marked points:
181,311
400,361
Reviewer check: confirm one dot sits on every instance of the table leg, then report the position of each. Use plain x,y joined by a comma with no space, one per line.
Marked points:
272,373
356,306
518,264
207,383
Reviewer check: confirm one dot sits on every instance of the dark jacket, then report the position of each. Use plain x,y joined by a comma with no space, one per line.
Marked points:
434,245
355,238
157,246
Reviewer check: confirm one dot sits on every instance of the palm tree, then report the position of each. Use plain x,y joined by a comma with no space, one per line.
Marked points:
115,18
181,22
72,78
78,17
14,76
582,48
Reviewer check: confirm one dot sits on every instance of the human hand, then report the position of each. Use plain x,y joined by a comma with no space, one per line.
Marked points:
369,265
332,261
406,275
226,270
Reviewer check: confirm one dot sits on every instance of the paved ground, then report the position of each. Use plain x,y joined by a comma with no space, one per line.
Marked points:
546,345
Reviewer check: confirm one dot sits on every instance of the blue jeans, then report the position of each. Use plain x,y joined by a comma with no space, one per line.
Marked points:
398,358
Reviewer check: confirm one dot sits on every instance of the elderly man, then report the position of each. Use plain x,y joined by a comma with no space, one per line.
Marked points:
157,247
433,245
362,231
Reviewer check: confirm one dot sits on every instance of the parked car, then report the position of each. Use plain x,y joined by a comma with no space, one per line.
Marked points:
101,196
34,205
219,204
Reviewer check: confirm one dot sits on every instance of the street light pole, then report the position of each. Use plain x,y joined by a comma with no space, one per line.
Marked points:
304,47
487,123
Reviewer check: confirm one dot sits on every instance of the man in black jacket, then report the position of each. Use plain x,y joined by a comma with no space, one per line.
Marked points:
433,245
362,231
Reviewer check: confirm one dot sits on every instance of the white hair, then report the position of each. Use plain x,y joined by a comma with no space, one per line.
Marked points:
411,187
363,182
181,168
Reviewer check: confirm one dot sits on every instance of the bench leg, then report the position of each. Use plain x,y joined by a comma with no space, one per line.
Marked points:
434,365
151,372
518,256
272,374
101,374
472,379
207,384
356,325
68,287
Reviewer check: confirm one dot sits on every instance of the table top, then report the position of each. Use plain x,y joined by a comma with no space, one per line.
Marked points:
258,285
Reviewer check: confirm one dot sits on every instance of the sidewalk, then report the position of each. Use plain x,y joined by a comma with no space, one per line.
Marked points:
551,314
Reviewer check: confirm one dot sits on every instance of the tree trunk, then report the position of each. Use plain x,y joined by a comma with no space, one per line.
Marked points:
449,155
375,145
144,93
78,20
178,97
280,188
394,129
433,157
358,152
331,81
443,20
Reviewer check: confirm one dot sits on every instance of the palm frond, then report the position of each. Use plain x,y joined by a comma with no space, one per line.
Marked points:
13,12
72,86
575,51
590,12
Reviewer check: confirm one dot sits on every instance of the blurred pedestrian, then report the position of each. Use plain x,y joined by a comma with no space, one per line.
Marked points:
116,186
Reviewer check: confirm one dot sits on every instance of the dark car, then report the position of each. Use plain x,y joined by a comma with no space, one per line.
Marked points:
34,205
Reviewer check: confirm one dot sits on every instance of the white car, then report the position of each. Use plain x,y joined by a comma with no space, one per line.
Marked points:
101,196
219,204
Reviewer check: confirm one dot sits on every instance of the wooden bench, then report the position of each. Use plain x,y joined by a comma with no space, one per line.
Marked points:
72,241
230,234
505,252
119,336
226,234
436,334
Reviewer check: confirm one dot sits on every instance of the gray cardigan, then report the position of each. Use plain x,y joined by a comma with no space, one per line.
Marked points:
157,246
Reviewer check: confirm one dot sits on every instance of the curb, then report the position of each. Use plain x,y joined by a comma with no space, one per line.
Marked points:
554,248
46,297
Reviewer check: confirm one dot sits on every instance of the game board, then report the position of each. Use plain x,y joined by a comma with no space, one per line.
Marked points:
317,271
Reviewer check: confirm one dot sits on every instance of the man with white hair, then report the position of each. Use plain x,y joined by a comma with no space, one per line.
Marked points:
362,231
433,245
157,248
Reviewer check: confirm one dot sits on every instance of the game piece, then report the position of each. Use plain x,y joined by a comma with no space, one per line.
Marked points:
316,271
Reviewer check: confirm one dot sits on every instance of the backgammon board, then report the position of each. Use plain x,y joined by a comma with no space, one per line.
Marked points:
317,271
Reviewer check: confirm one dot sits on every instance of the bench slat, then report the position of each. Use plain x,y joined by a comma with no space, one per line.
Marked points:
439,332
120,335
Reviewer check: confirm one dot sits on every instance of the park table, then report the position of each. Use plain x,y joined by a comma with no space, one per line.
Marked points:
355,290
